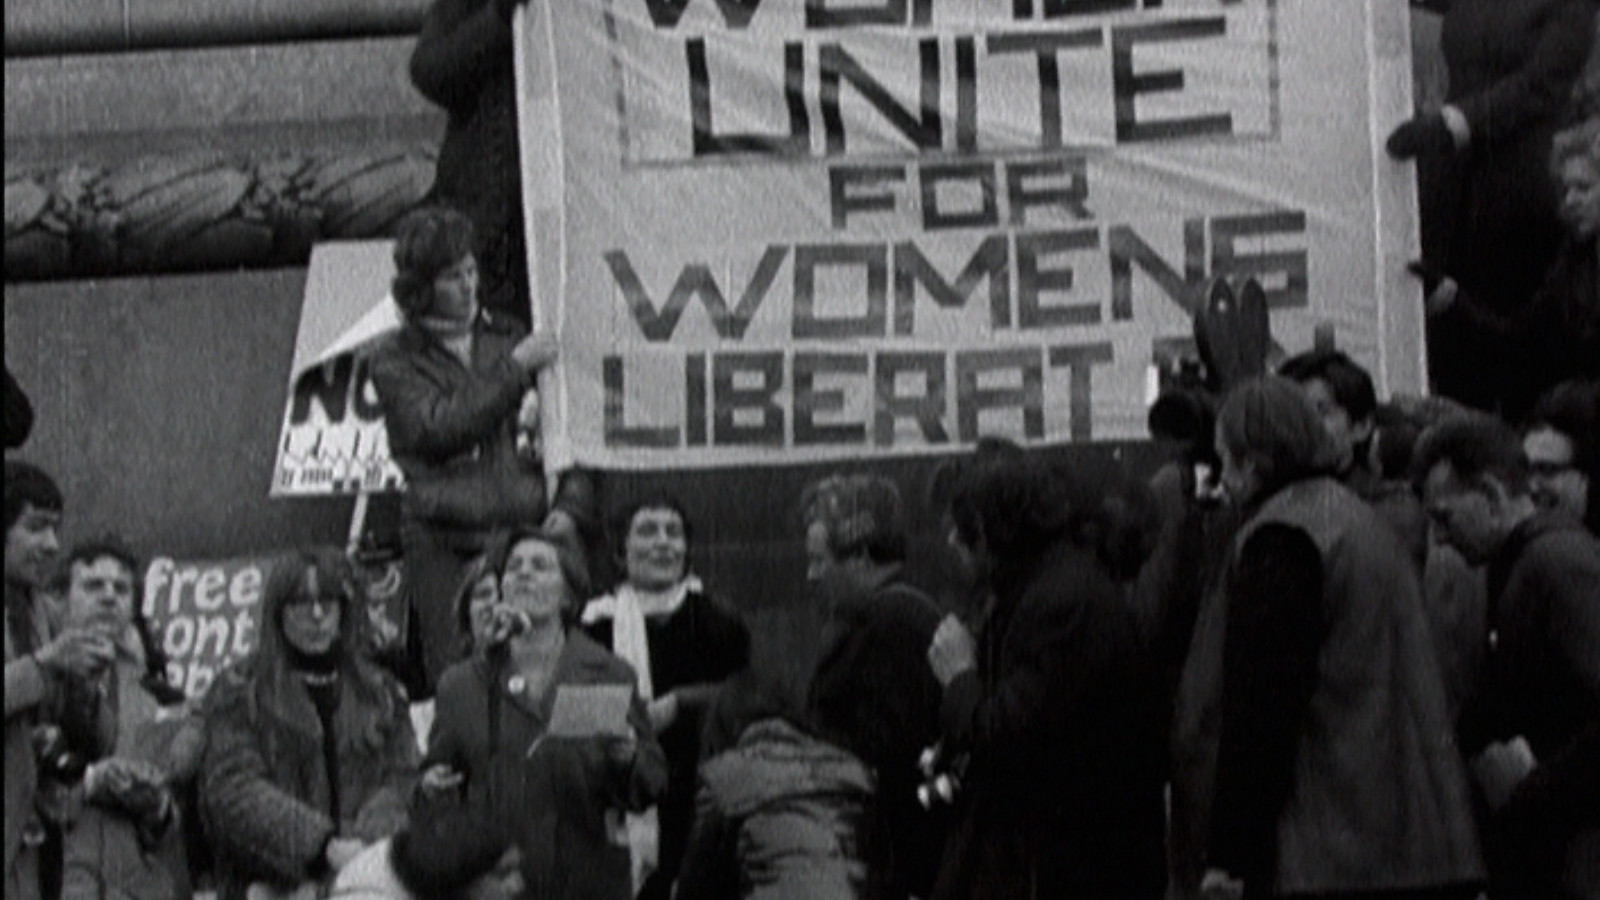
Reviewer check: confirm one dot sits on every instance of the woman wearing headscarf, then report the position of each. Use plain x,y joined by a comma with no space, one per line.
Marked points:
682,643
503,730
1336,771
310,754
456,384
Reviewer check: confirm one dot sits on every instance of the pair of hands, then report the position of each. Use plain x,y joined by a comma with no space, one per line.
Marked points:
78,652
136,787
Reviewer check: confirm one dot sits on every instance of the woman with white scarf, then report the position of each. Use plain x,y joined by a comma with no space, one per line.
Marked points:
683,644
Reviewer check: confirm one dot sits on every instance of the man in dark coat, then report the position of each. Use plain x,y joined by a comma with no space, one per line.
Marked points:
1536,717
871,692
1056,706
455,384
462,62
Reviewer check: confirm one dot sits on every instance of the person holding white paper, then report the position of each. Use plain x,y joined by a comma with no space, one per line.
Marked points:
532,723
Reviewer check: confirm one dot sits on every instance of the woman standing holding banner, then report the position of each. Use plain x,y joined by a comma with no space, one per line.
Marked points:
457,389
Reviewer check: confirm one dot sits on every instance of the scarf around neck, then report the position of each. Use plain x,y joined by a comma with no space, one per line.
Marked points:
627,607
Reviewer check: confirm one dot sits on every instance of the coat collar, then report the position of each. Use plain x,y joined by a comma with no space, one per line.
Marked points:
415,338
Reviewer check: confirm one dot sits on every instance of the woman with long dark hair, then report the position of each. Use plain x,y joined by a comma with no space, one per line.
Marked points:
309,749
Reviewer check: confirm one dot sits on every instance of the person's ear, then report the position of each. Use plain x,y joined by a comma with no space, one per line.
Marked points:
1494,489
1362,430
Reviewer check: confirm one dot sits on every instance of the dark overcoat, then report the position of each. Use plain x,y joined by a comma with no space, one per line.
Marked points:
1063,796
565,801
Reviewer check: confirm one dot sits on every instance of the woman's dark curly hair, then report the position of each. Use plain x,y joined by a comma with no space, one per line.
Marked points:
427,241
1021,504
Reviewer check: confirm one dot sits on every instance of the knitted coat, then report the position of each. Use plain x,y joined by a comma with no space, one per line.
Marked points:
265,793
874,694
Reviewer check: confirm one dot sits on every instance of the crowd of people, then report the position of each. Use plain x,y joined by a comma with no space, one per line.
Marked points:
1337,646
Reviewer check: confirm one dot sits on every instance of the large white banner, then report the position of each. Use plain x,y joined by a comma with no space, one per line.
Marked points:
789,230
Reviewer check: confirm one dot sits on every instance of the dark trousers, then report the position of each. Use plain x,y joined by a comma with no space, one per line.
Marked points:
436,560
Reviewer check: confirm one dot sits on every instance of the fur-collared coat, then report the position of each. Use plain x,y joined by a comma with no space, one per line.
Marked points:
265,797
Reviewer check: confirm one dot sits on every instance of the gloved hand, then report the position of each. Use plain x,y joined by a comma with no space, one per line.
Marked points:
1421,136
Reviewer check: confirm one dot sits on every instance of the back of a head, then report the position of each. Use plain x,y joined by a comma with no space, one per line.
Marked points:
862,513
447,848
28,485
1396,434
1475,446
1016,506
1109,512
1271,420
947,475
1350,384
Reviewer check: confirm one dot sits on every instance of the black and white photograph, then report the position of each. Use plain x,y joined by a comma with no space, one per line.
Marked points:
802,450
